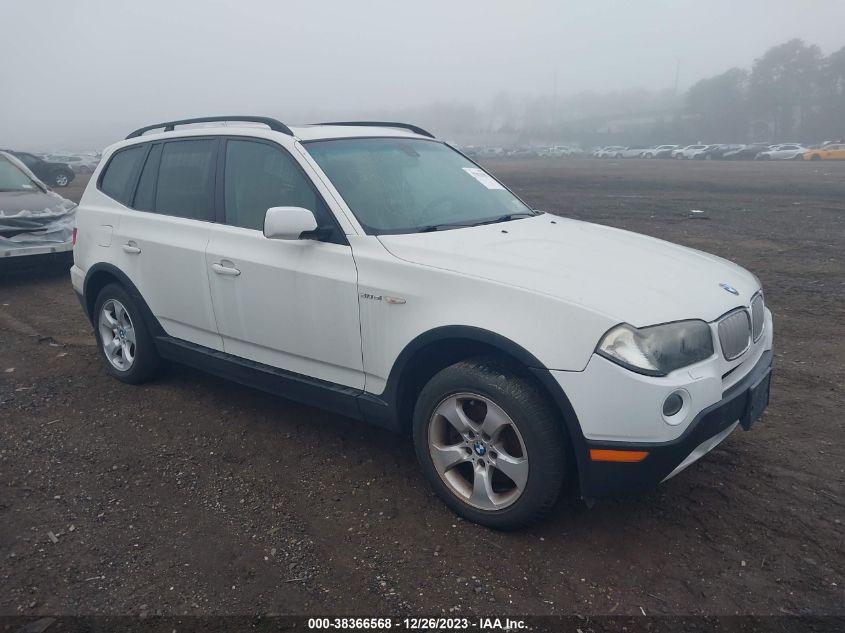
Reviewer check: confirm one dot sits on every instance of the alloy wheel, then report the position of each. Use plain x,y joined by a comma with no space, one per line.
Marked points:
117,334
478,451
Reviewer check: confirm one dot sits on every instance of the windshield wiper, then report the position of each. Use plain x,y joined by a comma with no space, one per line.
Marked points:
504,218
455,225
439,227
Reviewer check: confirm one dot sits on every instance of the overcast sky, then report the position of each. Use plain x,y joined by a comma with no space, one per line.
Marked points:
84,73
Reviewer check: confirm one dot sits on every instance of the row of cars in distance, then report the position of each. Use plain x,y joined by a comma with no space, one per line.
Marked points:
728,151
553,151
57,170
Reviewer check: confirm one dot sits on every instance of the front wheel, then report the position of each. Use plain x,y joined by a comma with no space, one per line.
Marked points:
490,444
815,157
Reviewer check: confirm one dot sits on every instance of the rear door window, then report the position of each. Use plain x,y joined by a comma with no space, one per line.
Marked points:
118,179
185,186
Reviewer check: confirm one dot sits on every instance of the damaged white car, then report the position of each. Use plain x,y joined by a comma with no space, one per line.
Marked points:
34,220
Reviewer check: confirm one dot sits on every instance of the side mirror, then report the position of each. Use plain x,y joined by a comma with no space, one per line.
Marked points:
288,223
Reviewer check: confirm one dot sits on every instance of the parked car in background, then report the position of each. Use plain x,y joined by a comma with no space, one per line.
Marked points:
661,151
745,152
54,174
33,219
701,154
717,152
608,151
688,151
833,151
79,163
789,151
557,151
634,151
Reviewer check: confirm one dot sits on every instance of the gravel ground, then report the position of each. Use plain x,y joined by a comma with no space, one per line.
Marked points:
194,496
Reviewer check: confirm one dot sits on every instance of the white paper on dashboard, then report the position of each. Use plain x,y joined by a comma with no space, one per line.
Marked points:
485,179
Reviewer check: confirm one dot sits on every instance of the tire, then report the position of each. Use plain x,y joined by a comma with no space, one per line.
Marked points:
815,157
61,179
479,395
113,330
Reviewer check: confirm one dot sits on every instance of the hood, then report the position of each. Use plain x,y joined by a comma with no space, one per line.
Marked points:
625,276
45,215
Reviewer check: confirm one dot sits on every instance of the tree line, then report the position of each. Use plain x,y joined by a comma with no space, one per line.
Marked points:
791,93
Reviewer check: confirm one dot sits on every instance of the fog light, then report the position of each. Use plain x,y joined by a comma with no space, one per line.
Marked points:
672,404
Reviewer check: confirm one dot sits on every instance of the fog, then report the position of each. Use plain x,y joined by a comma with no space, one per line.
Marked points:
83,74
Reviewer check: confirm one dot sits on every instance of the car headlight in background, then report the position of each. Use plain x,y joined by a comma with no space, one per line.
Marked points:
659,349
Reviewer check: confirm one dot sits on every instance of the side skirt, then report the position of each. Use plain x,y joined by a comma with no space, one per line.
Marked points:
304,389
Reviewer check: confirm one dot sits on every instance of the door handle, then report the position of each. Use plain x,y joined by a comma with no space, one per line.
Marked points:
131,248
227,271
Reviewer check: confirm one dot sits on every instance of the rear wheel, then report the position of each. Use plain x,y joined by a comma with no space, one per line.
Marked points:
122,336
490,444
815,157
61,179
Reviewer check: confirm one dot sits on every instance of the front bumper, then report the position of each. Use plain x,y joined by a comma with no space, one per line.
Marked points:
740,405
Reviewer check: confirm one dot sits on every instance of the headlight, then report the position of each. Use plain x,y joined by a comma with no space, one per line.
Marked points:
658,349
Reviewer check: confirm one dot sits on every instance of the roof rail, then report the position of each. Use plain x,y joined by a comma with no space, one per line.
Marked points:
403,126
273,124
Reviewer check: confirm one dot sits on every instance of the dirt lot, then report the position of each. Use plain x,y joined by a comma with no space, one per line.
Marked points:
191,495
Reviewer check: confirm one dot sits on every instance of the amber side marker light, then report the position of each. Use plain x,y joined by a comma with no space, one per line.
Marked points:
605,455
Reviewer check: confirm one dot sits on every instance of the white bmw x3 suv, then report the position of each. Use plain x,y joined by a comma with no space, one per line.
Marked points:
370,269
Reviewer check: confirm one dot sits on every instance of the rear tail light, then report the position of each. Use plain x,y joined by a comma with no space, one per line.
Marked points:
74,236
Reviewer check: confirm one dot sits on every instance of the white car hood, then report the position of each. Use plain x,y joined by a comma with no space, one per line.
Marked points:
623,275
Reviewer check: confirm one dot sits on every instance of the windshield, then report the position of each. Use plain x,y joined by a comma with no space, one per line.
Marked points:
398,185
13,179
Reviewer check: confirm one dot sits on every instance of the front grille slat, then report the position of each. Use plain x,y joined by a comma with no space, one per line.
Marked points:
758,316
735,334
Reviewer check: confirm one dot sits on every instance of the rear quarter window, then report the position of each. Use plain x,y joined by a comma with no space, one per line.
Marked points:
119,176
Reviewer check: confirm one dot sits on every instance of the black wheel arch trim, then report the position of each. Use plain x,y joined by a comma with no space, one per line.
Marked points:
383,409
88,300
